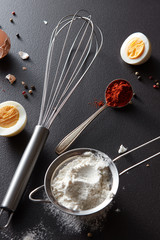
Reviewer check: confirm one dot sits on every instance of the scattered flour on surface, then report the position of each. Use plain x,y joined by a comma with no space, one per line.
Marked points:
76,224
39,232
29,236
6,236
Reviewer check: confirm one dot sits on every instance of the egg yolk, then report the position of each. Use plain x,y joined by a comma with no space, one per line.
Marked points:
135,48
9,116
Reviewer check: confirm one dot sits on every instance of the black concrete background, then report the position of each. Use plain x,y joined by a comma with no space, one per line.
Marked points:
139,202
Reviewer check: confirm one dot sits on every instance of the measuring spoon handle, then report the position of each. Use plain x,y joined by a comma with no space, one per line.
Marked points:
71,137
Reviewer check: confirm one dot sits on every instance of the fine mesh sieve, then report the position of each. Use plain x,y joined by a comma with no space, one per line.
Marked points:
62,160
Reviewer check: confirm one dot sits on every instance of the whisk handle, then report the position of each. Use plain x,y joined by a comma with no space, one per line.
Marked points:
24,169
71,137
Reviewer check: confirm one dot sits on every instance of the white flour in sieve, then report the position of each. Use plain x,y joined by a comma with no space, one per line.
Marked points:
83,183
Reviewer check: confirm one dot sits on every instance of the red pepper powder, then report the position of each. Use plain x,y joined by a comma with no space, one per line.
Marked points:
118,93
99,103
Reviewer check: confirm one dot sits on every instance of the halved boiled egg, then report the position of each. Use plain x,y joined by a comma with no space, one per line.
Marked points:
136,49
13,118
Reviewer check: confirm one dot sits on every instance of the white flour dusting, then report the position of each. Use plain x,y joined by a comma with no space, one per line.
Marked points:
29,236
39,232
70,224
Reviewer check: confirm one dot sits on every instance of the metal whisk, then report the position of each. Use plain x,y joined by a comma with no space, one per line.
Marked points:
74,44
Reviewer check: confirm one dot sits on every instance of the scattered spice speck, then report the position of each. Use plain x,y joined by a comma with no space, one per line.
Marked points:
23,83
157,83
30,91
25,95
23,92
11,20
150,77
136,73
33,87
99,103
45,22
139,77
147,165
17,35
89,235
24,68
117,210
134,94
13,13
25,86
11,78
23,55
155,86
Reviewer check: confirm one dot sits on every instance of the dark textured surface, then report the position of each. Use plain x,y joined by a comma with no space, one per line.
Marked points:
139,201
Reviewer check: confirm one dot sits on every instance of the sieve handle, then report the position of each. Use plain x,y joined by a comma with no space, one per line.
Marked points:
71,137
139,163
37,199
24,169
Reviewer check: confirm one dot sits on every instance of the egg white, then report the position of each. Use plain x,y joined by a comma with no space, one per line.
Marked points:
145,55
21,123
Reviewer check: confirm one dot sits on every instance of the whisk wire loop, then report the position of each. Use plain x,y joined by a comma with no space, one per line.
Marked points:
61,81
69,94
72,78
63,86
48,66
